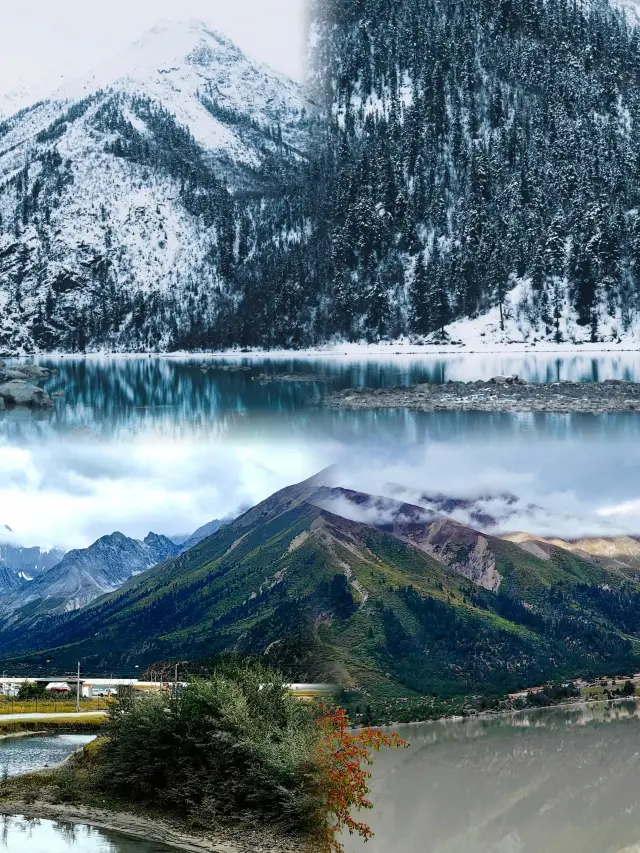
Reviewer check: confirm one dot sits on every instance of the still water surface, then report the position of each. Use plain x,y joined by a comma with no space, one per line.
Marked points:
555,781
116,397
25,754
27,835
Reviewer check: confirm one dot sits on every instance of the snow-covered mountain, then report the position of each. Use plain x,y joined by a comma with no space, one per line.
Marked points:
20,564
85,574
187,67
463,186
14,97
119,194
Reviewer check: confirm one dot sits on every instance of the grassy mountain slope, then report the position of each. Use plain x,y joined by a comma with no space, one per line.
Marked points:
326,597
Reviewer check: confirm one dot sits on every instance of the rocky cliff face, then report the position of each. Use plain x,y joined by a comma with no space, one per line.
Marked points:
461,548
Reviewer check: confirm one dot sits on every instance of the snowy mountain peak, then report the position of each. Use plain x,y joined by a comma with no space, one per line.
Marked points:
142,181
164,49
185,66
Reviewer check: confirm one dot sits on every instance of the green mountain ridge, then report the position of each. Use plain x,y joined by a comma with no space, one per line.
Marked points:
384,608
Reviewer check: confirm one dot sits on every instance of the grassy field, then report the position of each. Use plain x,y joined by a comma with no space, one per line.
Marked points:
601,689
62,724
49,706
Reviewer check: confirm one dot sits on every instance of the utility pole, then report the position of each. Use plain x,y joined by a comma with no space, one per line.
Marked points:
78,690
175,684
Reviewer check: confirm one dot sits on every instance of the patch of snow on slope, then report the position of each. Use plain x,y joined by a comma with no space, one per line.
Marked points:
631,9
518,328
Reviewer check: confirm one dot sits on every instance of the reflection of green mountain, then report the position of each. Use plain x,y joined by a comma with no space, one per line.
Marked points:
326,597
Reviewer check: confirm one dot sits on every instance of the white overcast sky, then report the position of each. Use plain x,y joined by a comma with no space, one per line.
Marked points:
41,41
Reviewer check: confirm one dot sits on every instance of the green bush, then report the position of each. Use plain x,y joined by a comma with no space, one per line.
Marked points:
234,746
31,690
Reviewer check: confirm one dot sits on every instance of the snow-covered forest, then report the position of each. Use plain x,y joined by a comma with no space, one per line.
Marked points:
456,169
483,154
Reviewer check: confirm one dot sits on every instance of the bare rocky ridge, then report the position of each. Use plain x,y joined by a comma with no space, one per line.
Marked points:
462,549
500,394
615,552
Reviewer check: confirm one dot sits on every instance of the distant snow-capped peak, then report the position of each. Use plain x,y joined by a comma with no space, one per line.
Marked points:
177,63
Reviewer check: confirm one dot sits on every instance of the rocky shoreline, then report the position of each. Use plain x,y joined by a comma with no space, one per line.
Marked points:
17,386
500,394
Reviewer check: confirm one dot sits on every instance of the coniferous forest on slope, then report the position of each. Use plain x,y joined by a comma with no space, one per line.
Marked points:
459,152
463,146
507,149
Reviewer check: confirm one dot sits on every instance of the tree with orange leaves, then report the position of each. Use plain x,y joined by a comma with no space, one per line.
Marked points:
343,758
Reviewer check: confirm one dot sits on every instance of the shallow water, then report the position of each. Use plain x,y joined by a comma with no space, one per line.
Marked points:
554,781
26,835
24,754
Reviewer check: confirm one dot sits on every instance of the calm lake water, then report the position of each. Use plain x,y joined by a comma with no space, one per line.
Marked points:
555,781
116,397
24,754
27,835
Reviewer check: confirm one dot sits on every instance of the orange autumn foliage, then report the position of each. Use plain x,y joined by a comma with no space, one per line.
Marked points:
343,759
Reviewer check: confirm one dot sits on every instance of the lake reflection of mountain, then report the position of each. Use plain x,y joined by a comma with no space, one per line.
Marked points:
558,781
113,397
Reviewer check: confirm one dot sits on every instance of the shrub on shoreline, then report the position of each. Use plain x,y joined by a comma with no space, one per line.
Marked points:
235,747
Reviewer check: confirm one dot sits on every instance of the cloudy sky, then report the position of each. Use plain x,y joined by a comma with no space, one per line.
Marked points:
40,41
69,493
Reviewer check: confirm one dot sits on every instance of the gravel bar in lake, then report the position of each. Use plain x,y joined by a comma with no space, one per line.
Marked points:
500,394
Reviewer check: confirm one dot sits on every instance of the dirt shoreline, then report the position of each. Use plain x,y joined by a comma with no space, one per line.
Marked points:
136,826
496,395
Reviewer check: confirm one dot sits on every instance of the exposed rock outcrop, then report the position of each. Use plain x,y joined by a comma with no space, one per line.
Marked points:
18,392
